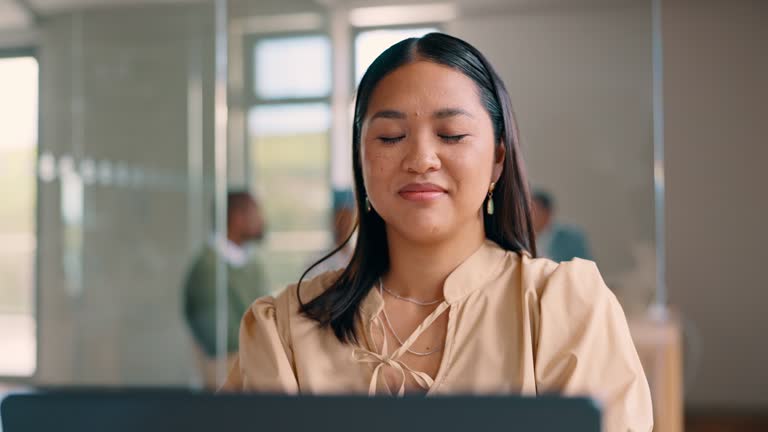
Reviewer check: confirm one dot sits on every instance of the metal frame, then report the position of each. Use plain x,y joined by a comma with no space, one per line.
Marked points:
18,52
661,296
221,150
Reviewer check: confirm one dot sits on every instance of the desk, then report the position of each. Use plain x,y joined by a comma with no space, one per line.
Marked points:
659,345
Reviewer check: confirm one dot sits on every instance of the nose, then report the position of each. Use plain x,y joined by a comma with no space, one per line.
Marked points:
421,155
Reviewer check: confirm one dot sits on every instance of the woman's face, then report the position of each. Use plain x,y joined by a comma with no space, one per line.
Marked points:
428,152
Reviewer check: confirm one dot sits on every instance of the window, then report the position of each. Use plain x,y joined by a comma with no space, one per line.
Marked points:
281,67
288,125
18,240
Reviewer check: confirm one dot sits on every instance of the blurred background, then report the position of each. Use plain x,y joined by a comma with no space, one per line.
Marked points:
163,163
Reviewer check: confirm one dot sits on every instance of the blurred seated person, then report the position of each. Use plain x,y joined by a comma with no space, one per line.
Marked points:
343,225
556,241
246,281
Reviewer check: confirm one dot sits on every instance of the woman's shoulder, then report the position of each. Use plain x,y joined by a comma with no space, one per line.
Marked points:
311,288
577,280
281,308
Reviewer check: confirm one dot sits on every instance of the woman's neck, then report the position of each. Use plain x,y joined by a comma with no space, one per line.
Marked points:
419,270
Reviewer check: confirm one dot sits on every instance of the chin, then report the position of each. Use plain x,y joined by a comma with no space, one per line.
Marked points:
423,231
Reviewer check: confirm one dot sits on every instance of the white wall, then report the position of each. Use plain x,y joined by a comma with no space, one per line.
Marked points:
579,76
715,69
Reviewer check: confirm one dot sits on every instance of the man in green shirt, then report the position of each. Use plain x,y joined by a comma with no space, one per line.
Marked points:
246,280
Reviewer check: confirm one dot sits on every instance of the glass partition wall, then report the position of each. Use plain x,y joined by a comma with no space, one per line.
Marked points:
126,186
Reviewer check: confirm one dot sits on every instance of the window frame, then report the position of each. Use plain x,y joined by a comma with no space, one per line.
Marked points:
251,97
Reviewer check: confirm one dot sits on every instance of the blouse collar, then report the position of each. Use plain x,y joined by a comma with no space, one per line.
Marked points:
480,267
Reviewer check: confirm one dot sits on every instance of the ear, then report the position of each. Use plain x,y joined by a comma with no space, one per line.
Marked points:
500,155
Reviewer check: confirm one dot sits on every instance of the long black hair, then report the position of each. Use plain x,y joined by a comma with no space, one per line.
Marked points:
510,225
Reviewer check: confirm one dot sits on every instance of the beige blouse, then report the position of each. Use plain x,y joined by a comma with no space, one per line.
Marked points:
516,325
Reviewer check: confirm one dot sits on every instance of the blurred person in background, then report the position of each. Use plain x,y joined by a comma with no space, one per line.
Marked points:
554,240
246,281
343,225
443,293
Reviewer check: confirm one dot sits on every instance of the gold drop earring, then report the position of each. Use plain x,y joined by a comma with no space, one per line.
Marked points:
489,208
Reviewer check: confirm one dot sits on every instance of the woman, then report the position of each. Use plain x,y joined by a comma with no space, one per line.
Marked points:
442,294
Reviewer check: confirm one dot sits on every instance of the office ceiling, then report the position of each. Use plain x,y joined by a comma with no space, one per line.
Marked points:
20,14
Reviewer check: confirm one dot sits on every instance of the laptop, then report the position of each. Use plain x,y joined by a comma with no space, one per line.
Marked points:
156,411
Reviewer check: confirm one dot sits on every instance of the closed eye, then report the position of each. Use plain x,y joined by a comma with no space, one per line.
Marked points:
391,140
452,138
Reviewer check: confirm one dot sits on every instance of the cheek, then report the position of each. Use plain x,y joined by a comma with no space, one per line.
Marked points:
378,163
471,169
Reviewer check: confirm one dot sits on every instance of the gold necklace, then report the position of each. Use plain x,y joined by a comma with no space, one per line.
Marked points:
408,299
397,338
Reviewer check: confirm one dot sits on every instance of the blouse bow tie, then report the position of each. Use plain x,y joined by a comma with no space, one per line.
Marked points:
382,359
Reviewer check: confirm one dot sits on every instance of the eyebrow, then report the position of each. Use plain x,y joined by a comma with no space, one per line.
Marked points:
440,114
389,114
450,112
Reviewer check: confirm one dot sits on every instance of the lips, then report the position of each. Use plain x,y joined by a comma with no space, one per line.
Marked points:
421,191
